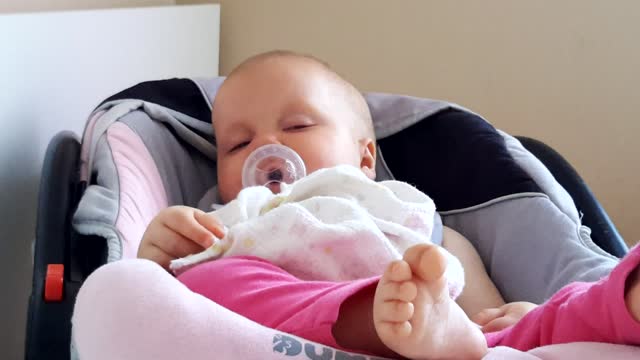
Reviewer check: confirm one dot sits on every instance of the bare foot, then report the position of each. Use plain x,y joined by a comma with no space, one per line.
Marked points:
632,294
414,315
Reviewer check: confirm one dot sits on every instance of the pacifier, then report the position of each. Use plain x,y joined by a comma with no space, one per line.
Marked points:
272,165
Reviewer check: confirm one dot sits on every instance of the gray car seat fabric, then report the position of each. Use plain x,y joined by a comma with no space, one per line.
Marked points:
98,208
185,169
540,229
541,176
187,172
394,113
543,252
532,243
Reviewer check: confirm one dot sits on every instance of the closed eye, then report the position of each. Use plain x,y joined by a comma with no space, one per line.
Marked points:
239,146
297,127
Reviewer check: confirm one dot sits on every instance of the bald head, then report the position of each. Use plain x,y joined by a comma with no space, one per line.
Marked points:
348,92
294,100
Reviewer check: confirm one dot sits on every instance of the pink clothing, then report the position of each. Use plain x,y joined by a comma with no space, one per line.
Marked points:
579,312
268,295
134,309
271,297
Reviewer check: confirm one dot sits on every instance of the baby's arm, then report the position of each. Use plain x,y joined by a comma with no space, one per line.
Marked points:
176,232
480,299
479,291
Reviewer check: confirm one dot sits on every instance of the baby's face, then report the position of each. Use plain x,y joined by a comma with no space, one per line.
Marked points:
282,101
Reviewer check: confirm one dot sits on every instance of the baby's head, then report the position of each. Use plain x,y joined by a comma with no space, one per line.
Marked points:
295,100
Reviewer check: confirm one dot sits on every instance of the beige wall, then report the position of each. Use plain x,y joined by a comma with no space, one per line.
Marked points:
564,72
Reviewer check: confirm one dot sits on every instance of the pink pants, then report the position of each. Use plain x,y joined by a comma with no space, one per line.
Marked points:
270,296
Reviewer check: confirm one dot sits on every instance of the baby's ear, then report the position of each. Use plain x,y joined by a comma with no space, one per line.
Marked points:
368,157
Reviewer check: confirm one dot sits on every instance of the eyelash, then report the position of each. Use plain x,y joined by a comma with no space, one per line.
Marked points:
239,146
290,128
297,127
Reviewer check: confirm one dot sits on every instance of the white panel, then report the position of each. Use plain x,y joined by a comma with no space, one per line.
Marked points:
54,69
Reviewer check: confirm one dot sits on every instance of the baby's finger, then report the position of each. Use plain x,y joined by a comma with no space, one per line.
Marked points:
157,255
486,315
176,245
499,324
210,223
185,224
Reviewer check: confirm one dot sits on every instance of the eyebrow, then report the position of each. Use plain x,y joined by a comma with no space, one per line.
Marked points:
231,133
234,124
304,108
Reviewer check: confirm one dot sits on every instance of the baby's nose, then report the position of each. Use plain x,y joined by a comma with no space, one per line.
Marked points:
266,140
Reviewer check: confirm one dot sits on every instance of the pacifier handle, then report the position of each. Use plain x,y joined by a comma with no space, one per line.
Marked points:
275,176
272,163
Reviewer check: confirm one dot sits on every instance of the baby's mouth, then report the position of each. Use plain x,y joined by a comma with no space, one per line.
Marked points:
274,186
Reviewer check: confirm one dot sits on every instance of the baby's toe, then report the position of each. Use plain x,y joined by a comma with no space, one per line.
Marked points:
426,261
401,291
395,311
397,270
393,330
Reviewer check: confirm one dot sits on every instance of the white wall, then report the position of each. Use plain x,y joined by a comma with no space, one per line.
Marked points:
55,68
57,5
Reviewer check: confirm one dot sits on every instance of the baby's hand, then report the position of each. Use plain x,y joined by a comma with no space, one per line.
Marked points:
176,232
496,319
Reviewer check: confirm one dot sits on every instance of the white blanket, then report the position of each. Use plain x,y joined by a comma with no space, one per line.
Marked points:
335,224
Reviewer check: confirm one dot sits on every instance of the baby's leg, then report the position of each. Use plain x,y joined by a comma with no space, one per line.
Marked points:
133,309
605,311
268,295
342,314
414,314
632,296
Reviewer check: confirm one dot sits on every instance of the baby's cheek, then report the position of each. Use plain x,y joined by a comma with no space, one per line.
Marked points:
327,158
228,188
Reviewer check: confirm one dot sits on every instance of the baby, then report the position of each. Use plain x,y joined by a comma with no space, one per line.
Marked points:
298,101
311,227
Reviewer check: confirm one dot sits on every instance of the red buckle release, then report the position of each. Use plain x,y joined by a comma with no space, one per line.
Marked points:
54,283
